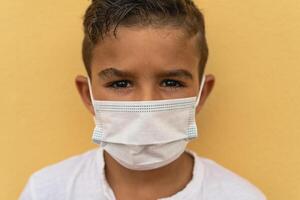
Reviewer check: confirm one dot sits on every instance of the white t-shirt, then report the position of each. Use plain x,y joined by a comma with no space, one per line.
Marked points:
82,177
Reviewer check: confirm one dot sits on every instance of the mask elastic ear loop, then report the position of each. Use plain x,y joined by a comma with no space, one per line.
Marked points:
90,89
201,88
91,96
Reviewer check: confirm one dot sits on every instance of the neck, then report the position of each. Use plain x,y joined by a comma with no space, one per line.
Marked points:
168,179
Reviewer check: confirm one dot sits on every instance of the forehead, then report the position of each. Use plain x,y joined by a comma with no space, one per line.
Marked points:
147,46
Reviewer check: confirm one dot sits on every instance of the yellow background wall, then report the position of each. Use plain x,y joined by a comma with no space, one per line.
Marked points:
250,123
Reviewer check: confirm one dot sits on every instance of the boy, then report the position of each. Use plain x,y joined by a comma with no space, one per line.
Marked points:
145,61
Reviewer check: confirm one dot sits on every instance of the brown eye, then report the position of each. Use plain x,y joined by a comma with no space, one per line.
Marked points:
120,84
171,83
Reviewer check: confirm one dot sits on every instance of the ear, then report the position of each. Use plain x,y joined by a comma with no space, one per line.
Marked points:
207,88
84,92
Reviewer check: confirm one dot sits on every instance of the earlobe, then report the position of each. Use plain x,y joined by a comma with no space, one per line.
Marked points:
207,89
83,90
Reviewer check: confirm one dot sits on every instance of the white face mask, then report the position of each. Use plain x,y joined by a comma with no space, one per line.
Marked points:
145,135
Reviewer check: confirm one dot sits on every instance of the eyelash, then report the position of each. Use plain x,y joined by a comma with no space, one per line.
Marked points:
113,85
178,84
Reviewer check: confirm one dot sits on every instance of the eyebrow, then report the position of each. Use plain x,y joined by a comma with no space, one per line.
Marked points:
113,72
180,73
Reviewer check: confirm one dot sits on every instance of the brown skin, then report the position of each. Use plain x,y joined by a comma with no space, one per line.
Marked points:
148,64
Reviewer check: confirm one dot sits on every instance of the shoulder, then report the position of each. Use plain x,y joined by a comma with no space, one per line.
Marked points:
54,180
218,181
63,169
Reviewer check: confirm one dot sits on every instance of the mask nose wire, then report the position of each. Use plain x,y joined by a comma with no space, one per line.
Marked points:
200,91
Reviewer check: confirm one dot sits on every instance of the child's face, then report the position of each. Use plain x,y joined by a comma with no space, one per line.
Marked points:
144,63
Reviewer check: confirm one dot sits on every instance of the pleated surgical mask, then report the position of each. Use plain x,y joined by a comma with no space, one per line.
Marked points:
144,135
